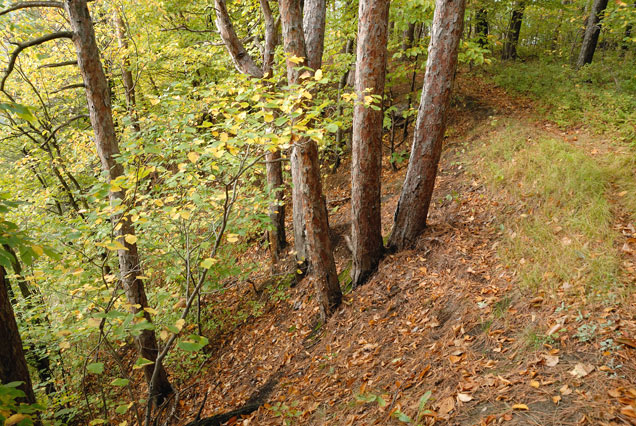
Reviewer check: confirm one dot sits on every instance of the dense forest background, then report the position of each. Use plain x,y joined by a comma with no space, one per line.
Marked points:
203,203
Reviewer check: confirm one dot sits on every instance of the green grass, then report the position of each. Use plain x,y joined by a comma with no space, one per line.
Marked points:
601,95
556,217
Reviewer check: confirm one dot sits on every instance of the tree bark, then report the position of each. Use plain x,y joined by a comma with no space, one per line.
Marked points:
307,178
99,105
514,30
126,74
408,36
13,366
242,60
314,17
366,170
481,27
415,198
592,32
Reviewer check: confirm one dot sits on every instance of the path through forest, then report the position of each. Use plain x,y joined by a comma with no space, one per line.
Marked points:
447,317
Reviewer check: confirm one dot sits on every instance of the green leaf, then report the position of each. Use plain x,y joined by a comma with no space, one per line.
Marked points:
141,363
120,382
194,343
96,367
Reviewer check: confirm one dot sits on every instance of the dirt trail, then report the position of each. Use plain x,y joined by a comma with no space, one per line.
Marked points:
445,317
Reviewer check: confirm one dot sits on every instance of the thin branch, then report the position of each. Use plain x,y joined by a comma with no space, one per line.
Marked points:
70,86
31,43
58,64
27,4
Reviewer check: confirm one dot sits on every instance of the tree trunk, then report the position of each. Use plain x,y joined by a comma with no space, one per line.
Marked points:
242,60
306,177
415,198
126,74
366,171
592,32
97,95
39,350
408,36
481,27
13,366
314,12
514,30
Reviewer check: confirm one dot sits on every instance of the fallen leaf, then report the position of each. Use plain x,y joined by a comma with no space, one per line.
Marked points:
628,411
565,390
582,370
446,405
464,397
550,360
535,384
556,399
627,342
614,393
520,407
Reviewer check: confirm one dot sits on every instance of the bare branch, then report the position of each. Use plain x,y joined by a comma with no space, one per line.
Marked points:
70,86
58,64
28,4
27,44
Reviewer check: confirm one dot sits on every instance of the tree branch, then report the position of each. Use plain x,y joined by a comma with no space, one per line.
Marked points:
26,45
28,4
58,64
70,86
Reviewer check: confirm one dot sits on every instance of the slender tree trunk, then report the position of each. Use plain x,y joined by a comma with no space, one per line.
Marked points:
514,30
13,366
415,198
408,36
366,171
592,32
306,176
126,74
341,85
481,27
97,94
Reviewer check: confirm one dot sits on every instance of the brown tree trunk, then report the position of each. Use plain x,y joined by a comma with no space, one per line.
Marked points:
408,36
126,74
514,30
13,366
242,60
98,97
306,177
246,65
592,32
314,17
366,169
412,209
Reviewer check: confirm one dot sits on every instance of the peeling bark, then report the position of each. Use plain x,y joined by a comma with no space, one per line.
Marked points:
366,171
415,198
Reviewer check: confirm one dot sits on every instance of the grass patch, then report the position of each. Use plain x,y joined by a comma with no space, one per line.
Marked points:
556,216
600,95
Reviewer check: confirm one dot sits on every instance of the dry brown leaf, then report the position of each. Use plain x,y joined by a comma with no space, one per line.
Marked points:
627,342
582,370
614,393
535,384
520,407
464,397
446,405
565,390
628,411
556,399
550,360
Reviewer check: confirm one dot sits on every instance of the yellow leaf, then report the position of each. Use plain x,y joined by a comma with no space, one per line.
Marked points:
163,335
268,117
296,59
223,137
150,310
318,75
64,344
232,238
193,157
15,419
207,263
179,324
130,239
535,384
520,407
38,250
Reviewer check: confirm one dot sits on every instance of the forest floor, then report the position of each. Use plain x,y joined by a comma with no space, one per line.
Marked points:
449,332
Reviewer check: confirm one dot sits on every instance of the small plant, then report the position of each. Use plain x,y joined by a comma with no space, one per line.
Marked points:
287,412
